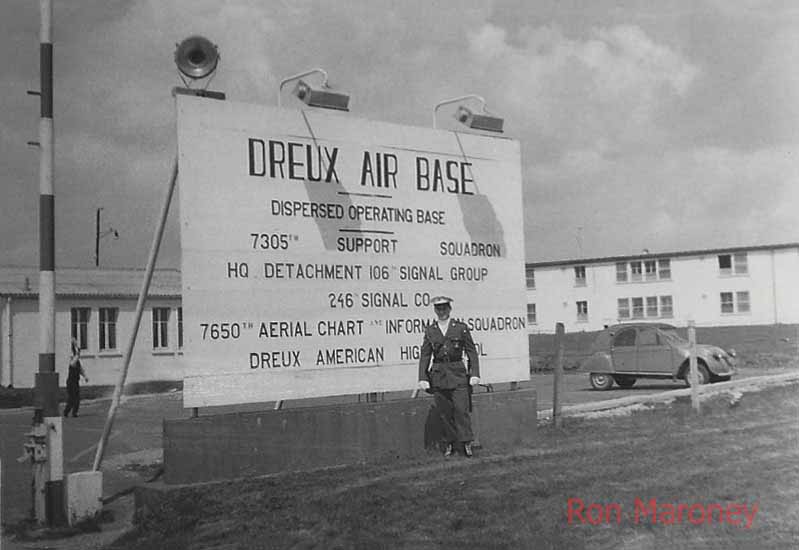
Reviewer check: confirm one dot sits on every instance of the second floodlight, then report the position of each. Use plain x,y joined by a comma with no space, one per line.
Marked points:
321,98
479,121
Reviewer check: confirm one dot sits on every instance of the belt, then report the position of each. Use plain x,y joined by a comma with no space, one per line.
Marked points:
450,361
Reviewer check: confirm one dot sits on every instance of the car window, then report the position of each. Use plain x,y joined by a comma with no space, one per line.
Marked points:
647,337
670,336
625,337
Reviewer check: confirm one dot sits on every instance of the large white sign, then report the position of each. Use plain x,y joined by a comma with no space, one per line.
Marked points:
312,243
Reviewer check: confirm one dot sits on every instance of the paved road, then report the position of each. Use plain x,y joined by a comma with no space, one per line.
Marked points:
137,429
136,437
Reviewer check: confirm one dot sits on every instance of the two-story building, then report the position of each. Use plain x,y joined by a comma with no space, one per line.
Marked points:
757,285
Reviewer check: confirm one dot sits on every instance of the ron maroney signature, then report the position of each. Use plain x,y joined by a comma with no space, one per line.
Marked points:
664,513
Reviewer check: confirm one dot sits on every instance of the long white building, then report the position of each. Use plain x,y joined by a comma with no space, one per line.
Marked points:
756,285
97,307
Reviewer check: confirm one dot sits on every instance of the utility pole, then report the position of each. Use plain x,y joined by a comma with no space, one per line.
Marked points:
45,443
99,235
97,239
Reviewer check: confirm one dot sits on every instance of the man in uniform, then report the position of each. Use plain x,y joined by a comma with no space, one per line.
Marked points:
445,342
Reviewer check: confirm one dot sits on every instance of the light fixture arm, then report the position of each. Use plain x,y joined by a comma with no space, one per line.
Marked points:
456,100
298,76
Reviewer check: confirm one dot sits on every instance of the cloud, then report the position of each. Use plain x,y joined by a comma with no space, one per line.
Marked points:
672,200
605,90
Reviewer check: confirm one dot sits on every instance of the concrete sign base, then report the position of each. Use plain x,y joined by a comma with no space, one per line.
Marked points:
211,448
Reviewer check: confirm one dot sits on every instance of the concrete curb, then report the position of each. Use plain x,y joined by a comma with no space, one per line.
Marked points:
754,383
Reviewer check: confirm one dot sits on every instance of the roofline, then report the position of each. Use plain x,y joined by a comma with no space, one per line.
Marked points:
33,294
656,255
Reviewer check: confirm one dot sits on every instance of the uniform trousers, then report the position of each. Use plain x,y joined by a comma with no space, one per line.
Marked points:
453,409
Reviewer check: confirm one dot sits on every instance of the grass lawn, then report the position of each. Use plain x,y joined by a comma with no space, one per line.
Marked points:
742,452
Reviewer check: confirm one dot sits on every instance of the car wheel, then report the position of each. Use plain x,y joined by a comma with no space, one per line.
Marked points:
624,381
701,373
601,381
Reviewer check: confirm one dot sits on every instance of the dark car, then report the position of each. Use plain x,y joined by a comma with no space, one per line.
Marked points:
624,353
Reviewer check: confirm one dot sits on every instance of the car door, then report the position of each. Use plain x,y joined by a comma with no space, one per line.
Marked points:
623,351
654,354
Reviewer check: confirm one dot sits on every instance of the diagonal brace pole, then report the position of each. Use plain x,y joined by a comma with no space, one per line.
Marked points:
159,233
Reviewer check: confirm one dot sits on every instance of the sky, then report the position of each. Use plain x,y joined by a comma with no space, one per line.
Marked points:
662,125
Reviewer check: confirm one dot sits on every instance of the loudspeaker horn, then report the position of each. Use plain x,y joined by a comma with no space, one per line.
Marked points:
196,57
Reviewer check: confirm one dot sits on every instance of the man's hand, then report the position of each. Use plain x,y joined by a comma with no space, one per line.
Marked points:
474,380
424,385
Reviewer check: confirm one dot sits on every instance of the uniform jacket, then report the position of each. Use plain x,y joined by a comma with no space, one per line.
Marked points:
441,358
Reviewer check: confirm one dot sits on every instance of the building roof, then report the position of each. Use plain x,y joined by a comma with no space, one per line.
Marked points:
101,282
656,255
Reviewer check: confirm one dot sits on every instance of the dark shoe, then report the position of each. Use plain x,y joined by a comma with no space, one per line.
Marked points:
448,450
467,449
74,415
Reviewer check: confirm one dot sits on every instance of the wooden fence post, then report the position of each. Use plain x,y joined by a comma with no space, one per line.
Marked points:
557,386
692,367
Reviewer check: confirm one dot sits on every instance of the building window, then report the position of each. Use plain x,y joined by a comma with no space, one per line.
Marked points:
638,308
579,275
664,268
79,326
737,302
742,298
651,306
531,317
180,328
107,336
739,263
582,310
621,272
727,303
160,327
635,271
651,269
666,307
623,308
725,264
733,264
529,275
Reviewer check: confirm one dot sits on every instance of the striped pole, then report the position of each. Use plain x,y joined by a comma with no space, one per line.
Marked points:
47,474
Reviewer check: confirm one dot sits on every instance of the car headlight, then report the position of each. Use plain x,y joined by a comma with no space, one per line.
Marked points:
731,352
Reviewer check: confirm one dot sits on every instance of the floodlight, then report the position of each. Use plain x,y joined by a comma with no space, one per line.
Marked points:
479,121
196,57
324,98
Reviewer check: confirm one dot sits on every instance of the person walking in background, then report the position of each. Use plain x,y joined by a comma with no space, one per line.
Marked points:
447,376
73,380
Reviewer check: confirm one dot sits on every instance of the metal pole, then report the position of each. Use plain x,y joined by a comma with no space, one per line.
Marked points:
97,239
557,386
692,367
48,474
159,233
